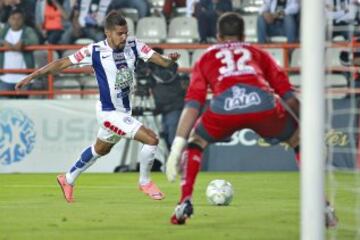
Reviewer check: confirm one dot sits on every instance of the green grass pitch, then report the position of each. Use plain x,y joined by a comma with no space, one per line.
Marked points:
110,206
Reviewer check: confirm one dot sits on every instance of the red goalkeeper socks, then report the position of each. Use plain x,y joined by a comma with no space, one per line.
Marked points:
191,159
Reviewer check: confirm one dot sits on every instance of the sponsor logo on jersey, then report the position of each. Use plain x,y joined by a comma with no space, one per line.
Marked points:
79,56
119,59
17,136
241,99
145,49
113,128
118,56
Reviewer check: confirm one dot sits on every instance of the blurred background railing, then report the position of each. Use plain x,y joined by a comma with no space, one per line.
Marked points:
80,80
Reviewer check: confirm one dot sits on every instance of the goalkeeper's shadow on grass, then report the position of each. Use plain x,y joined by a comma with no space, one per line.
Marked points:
126,168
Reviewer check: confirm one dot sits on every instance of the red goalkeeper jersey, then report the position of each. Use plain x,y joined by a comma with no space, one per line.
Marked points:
226,64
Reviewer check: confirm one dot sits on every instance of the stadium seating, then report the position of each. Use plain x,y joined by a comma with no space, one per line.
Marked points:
295,60
84,41
41,57
332,56
157,3
151,29
295,80
278,39
331,80
278,55
250,27
335,80
130,13
250,6
67,83
89,83
196,55
131,26
183,30
338,81
338,39
180,11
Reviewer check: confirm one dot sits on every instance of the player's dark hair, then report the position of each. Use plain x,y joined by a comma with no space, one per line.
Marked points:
17,11
231,24
114,18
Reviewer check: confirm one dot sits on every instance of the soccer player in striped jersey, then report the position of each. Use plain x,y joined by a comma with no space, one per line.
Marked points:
113,61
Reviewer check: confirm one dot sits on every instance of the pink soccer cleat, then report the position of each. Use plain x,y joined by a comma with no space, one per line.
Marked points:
152,191
66,188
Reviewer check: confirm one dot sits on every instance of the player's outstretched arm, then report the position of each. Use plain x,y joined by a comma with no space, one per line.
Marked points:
186,123
164,61
53,67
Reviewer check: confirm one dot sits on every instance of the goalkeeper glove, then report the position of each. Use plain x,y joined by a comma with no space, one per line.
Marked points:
172,163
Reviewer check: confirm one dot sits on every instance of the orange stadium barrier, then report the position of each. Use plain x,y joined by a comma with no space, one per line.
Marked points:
50,92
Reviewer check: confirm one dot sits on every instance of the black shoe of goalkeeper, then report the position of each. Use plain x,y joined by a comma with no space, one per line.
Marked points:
182,212
331,219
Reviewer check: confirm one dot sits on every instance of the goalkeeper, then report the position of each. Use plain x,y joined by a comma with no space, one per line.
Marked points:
249,90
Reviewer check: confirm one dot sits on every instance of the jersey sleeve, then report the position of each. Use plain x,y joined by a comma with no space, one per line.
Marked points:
145,52
197,90
82,56
276,76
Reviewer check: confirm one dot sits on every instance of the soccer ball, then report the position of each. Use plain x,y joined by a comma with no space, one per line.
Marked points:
219,192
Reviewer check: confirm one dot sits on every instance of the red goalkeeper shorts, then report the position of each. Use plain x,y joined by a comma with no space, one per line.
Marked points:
274,125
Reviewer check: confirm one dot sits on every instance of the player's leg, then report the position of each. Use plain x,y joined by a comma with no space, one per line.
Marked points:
146,160
331,219
191,163
206,130
86,159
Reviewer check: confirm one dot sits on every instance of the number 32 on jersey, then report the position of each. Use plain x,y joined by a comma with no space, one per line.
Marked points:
231,66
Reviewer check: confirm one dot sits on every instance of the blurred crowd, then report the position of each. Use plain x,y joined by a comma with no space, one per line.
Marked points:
65,21
28,22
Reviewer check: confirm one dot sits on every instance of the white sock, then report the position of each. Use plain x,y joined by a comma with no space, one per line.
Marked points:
87,158
146,160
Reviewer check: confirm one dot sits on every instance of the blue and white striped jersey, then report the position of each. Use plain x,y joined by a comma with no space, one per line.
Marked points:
114,70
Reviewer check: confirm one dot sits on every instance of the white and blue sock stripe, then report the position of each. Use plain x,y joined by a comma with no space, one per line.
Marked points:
87,158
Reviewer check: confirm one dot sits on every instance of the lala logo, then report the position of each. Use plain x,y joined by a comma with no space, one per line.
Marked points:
241,100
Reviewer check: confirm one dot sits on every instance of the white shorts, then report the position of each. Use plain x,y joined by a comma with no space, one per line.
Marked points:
115,125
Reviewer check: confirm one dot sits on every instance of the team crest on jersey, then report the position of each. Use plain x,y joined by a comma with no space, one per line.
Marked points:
241,99
124,78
